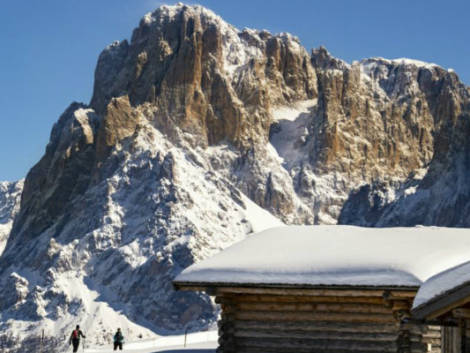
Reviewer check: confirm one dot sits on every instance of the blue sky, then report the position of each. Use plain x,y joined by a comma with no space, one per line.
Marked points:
50,48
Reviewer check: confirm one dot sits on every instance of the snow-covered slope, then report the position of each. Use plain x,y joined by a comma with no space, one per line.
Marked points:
198,134
10,194
112,263
197,342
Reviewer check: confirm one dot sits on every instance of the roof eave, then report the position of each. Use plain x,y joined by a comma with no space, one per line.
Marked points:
443,303
211,287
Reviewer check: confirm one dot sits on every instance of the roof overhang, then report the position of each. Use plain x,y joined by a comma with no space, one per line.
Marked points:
388,292
444,303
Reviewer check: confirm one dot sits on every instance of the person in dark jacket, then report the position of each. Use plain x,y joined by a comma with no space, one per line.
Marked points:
75,338
118,339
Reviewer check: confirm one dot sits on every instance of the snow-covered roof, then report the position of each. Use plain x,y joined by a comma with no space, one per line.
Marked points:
312,256
441,286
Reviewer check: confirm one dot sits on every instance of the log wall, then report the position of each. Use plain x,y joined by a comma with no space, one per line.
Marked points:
451,340
283,323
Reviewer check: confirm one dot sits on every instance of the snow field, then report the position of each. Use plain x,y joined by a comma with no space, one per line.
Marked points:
200,342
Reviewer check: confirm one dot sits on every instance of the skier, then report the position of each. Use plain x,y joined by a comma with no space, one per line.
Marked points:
118,340
75,338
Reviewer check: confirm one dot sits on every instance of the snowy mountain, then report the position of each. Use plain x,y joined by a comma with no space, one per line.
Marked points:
198,134
10,194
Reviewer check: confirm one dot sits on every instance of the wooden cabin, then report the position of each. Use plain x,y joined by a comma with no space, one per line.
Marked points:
326,288
445,300
283,319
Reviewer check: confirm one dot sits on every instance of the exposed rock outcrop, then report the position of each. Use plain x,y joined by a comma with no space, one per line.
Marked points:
203,76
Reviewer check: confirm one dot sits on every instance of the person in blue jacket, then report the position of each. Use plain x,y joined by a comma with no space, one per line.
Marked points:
118,340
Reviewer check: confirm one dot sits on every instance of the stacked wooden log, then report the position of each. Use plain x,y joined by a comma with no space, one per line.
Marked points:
258,320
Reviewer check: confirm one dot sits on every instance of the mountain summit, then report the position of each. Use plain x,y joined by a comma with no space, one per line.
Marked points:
198,134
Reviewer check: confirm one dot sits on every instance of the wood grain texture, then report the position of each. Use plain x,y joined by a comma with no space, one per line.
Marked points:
296,322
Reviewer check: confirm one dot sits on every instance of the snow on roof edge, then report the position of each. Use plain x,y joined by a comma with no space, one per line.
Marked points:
334,256
181,285
439,287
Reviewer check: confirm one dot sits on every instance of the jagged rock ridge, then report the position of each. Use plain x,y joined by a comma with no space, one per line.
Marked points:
195,130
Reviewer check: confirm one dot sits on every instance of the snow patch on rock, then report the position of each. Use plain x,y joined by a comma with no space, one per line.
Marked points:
10,196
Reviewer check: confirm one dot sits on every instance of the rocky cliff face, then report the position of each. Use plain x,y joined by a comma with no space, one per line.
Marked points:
197,74
198,134
434,192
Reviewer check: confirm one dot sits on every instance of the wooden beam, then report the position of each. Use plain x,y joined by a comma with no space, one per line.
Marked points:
189,288
401,305
318,307
314,326
313,344
319,335
259,298
312,316
251,349
461,313
400,295
302,292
